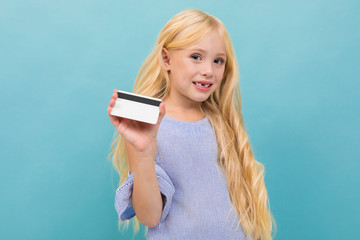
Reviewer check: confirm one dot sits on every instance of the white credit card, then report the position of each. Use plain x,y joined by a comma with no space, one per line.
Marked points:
136,107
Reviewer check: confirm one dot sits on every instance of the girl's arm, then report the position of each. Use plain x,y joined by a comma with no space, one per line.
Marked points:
140,140
146,197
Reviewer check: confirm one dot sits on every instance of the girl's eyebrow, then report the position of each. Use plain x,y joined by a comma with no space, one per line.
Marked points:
204,51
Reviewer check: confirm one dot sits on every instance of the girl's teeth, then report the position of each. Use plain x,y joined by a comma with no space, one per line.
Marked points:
202,85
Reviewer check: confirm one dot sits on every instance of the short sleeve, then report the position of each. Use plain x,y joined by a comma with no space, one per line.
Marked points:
123,204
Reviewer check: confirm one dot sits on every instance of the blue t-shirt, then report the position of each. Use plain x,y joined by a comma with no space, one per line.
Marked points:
197,204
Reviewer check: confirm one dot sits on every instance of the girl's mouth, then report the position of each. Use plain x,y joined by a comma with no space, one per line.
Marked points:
203,86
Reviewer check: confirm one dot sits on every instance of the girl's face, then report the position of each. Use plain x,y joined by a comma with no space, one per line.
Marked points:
197,70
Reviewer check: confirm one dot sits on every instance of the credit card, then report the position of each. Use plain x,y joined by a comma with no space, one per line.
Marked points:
136,107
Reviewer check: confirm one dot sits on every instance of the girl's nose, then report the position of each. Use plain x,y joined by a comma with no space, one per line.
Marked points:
206,69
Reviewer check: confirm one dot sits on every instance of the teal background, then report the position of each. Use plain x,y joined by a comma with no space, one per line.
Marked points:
61,60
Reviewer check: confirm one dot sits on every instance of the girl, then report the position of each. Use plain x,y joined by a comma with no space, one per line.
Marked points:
193,174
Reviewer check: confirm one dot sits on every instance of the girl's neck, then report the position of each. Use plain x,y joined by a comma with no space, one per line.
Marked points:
183,112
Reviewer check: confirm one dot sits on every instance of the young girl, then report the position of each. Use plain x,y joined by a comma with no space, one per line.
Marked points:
193,174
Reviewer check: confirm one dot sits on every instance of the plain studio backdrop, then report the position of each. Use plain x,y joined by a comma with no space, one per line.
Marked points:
61,60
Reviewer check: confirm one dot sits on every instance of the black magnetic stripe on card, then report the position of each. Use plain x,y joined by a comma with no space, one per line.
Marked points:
139,99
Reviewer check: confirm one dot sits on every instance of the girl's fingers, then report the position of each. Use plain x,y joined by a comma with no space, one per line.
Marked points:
109,111
114,96
112,101
110,106
114,120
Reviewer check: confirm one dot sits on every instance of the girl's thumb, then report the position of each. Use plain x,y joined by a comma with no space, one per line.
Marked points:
162,112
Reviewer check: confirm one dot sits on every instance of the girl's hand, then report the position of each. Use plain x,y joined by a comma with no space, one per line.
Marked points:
142,136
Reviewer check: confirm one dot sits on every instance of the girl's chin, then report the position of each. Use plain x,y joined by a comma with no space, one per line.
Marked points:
201,99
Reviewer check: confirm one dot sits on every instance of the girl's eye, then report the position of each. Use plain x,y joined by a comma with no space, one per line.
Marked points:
219,61
196,57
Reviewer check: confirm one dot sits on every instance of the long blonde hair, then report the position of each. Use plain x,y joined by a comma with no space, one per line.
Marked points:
245,176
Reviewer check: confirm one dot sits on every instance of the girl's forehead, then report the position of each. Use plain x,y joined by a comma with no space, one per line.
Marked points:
212,41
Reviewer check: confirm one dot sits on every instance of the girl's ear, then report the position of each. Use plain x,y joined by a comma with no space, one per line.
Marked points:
166,59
